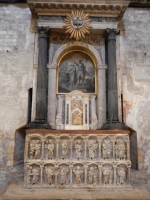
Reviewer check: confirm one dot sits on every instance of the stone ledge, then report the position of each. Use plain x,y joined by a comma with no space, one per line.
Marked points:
17,192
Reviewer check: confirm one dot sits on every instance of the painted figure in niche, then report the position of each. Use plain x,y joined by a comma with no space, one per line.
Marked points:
122,174
92,150
80,72
28,174
49,174
120,150
64,149
63,173
106,149
78,149
77,118
35,174
71,75
78,173
50,149
107,176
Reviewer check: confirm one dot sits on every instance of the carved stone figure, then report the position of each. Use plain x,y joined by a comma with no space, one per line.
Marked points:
63,173
49,174
78,172
32,150
35,174
107,176
50,149
122,174
64,149
28,175
106,149
78,149
92,150
120,150
95,177
35,149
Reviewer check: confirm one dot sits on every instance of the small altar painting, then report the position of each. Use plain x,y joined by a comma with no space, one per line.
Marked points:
76,72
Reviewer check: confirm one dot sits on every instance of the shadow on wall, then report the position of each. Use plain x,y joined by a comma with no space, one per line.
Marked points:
133,150
19,145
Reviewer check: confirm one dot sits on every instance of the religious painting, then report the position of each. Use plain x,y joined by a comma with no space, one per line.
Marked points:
76,72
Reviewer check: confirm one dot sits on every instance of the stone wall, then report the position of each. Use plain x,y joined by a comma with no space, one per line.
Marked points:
135,66
16,76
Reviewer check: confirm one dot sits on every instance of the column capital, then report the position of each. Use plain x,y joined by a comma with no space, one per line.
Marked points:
43,31
111,33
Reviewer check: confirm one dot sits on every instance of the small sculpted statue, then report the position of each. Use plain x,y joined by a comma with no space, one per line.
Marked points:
35,174
63,173
78,172
120,150
28,175
32,150
122,174
95,177
78,149
64,150
35,149
107,176
49,174
92,150
50,149
106,149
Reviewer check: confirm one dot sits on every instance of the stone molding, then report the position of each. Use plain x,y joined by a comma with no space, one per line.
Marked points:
93,25
77,45
103,8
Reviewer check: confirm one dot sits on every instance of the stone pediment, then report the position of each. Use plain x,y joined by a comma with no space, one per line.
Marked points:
99,8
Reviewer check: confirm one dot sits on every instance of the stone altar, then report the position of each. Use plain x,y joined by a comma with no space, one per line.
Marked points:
77,159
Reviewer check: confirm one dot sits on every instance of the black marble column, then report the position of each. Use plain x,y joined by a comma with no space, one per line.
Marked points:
112,121
42,83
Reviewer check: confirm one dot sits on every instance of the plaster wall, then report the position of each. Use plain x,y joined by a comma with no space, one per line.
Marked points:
16,77
135,69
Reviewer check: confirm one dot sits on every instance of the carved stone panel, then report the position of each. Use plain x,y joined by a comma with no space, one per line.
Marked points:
77,160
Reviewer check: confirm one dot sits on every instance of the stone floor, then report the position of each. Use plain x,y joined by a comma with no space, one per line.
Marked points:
16,192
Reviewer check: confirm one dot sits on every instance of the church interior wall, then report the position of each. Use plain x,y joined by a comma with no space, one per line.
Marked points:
16,77
18,68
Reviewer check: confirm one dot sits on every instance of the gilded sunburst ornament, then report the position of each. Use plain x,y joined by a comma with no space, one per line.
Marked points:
77,24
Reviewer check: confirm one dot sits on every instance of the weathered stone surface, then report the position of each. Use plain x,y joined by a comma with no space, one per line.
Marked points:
16,71
135,61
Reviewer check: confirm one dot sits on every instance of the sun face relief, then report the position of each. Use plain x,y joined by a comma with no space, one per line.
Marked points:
77,24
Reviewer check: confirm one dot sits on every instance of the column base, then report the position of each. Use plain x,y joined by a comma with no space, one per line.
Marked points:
39,124
113,125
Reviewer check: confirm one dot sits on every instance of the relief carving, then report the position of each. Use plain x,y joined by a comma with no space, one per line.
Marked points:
93,176
63,172
78,173
121,175
92,150
78,149
77,161
106,149
107,176
49,174
65,149
35,149
120,150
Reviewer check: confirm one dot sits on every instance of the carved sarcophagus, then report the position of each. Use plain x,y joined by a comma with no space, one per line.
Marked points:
77,159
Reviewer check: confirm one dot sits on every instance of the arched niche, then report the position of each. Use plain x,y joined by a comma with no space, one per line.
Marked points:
100,83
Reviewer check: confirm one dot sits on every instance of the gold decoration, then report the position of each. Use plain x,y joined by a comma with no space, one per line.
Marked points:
77,24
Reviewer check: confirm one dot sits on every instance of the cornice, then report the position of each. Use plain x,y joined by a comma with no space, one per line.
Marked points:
98,8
